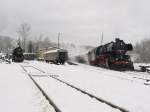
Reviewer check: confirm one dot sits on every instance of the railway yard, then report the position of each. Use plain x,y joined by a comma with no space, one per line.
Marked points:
34,86
74,56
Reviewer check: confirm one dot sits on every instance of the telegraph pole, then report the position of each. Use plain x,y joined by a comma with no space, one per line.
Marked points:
102,39
58,38
19,42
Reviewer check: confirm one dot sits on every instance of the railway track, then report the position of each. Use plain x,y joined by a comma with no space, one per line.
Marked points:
141,76
145,76
133,76
42,91
100,100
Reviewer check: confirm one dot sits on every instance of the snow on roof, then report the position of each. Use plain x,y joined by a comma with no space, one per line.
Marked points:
56,50
28,53
51,51
49,48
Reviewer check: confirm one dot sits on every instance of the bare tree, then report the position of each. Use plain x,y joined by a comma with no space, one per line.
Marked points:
24,31
19,42
30,47
5,43
143,49
46,42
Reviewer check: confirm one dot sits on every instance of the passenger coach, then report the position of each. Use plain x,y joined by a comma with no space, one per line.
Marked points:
57,56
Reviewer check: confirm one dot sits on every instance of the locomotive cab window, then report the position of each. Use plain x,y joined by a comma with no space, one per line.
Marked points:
99,50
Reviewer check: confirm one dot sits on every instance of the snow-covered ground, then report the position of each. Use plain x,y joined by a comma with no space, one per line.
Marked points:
125,92
18,93
66,98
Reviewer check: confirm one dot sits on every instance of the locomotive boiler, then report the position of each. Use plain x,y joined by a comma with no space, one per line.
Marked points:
112,55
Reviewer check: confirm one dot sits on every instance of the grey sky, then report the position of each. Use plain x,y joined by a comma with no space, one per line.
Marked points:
79,21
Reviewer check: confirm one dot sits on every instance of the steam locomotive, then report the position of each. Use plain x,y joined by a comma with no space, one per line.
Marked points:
17,55
112,55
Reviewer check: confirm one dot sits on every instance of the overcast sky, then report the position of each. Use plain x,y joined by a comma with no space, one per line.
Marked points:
79,21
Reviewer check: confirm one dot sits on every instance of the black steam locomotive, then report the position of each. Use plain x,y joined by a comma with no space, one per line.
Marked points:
112,55
17,55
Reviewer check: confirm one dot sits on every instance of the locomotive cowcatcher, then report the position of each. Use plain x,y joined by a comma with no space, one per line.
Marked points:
112,55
